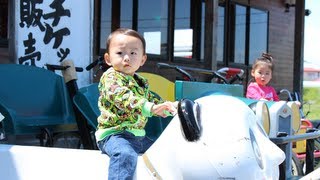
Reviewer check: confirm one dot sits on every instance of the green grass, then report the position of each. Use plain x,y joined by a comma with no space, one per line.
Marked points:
311,100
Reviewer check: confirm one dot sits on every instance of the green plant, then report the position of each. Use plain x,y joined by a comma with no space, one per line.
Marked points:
311,102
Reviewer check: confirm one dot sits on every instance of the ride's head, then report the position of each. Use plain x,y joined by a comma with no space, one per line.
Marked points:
128,32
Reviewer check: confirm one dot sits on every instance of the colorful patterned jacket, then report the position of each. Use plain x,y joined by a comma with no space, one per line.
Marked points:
125,103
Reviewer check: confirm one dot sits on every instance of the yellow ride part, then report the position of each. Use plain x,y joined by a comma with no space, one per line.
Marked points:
160,85
300,146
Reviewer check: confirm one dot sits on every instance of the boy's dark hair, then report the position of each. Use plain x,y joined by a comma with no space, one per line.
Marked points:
264,59
128,32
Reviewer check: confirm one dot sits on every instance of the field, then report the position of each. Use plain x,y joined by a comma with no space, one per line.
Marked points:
311,102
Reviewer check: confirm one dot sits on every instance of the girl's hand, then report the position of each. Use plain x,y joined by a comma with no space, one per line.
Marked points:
298,103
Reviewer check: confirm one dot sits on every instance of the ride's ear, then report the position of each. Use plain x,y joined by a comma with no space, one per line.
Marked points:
107,59
189,123
261,111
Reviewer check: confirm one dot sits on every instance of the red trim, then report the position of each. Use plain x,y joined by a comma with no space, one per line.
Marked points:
232,72
303,155
305,123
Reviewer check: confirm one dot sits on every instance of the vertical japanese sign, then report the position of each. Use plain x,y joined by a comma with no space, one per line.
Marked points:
51,31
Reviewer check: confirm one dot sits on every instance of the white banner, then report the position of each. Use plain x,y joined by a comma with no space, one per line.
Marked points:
52,31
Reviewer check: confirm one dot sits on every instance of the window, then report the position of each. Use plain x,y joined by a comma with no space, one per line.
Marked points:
174,30
183,34
258,33
220,33
240,34
4,23
153,24
189,29
126,14
105,22
246,36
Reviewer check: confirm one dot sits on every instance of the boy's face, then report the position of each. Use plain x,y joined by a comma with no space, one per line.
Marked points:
262,74
125,54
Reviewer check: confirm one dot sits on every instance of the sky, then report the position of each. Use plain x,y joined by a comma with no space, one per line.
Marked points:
312,33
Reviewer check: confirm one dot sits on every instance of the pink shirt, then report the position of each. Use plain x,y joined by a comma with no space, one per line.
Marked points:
255,91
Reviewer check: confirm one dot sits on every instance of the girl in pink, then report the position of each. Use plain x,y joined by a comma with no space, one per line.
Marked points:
262,73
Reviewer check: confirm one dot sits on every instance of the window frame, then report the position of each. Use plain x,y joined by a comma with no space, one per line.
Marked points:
229,34
195,14
4,43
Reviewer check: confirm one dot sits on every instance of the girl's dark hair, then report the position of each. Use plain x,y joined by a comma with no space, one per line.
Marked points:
128,32
264,59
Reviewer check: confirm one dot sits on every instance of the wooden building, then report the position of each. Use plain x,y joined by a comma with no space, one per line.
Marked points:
197,33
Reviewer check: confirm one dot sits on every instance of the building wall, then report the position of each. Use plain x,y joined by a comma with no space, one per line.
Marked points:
281,30
281,45
311,74
281,41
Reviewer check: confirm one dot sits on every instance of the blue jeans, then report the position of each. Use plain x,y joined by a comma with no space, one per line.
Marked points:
123,149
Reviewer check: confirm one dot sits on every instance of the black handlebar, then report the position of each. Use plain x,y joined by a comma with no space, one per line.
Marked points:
91,65
186,76
219,74
53,67
165,66
103,66
220,77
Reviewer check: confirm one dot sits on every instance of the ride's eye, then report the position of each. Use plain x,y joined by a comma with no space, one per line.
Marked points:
119,53
296,118
196,109
265,117
188,113
133,53
261,110
256,149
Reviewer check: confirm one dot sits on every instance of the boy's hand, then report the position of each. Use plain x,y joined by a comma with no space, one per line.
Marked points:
175,104
165,109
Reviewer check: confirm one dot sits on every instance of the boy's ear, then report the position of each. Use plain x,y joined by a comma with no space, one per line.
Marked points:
107,59
144,59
